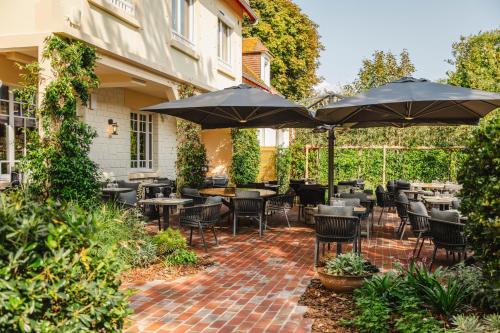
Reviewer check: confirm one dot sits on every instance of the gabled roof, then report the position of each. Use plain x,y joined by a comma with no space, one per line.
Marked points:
254,45
248,10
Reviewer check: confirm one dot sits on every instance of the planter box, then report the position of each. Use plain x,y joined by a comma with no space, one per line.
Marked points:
341,283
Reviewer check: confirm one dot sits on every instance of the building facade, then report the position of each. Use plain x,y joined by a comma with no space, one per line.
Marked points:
146,50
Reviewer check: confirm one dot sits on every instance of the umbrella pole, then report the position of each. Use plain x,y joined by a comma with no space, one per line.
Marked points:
331,161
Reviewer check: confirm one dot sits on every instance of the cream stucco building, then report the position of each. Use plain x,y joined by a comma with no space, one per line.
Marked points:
146,49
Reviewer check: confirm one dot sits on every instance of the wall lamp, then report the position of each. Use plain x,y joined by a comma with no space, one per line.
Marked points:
112,128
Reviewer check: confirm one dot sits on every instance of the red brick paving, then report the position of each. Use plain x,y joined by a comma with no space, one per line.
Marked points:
256,283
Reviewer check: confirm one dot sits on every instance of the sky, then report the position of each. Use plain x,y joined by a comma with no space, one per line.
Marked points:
351,30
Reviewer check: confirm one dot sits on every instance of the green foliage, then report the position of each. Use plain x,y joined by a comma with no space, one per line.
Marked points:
373,314
480,177
181,257
492,322
169,241
192,163
57,160
476,61
412,319
53,277
246,156
283,164
346,264
293,39
467,324
122,232
446,299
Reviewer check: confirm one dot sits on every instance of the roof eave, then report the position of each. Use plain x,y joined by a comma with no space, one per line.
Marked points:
249,11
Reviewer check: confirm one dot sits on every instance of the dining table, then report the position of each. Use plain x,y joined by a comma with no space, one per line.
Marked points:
166,204
230,192
115,191
148,186
442,203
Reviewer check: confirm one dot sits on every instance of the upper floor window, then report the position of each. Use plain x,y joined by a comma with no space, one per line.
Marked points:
224,43
182,18
127,6
265,69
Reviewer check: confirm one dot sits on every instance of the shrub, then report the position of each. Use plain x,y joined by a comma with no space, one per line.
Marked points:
182,257
122,232
467,324
53,277
412,319
246,156
480,176
492,322
372,314
383,286
169,241
283,163
346,264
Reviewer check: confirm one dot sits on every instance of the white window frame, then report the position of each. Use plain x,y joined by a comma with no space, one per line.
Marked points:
126,6
224,58
139,164
265,71
176,23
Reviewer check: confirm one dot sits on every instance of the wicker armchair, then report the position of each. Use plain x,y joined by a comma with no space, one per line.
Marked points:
201,217
310,196
387,201
279,204
420,229
194,194
250,208
449,236
335,229
402,210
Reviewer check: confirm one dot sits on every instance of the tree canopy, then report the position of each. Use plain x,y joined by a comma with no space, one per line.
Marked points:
477,61
293,39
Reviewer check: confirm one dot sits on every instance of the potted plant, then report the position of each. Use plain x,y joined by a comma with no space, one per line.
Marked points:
345,272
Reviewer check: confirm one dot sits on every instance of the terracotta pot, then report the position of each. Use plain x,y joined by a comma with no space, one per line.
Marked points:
341,283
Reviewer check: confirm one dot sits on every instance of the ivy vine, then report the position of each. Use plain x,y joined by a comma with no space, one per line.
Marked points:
246,156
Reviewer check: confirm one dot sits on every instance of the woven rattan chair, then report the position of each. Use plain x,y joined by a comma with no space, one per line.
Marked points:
335,229
386,202
310,196
449,236
420,229
200,217
250,208
279,204
402,210
194,194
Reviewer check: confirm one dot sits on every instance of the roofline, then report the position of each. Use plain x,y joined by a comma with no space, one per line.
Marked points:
250,12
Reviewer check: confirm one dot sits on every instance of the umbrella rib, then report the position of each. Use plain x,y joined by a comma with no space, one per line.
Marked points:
253,112
425,109
352,114
265,114
422,114
218,114
467,109
229,115
393,111
237,113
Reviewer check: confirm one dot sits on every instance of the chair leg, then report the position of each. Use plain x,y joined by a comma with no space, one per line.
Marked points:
203,238
323,250
380,217
433,257
316,252
329,247
235,219
215,235
286,217
339,248
190,236
416,245
260,226
421,245
402,230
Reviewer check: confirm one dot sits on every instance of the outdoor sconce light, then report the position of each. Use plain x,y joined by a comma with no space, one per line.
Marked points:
112,128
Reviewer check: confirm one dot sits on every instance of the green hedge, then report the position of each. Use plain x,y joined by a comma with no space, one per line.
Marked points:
410,164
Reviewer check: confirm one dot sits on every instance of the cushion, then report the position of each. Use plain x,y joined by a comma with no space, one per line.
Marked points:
418,207
129,198
335,211
401,197
380,188
190,191
351,201
445,215
213,200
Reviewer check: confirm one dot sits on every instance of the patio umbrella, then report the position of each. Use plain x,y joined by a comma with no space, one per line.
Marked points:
239,106
406,102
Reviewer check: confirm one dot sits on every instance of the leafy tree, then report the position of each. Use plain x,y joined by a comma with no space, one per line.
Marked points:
480,176
477,62
57,160
192,163
293,39
246,155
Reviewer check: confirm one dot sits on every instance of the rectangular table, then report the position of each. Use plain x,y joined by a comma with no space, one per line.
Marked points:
166,203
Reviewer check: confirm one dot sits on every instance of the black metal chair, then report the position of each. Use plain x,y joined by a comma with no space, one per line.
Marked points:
200,217
250,208
449,236
310,196
220,181
402,210
335,229
279,204
194,194
386,202
420,229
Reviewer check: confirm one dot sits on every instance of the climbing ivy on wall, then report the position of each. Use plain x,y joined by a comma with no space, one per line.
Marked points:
191,163
283,163
246,156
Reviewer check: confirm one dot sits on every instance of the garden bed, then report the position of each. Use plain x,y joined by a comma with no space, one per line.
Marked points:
162,271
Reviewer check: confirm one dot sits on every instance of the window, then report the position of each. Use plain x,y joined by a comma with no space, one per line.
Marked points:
126,6
16,122
182,17
265,69
224,50
141,141
267,137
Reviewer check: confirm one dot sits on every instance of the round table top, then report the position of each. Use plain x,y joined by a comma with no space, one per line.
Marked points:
230,192
156,185
116,189
435,186
438,200
166,201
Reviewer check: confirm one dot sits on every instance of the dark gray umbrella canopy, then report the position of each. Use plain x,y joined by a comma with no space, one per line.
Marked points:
411,102
238,106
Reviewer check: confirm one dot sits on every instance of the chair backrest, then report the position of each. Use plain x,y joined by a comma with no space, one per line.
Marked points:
419,223
356,202
128,198
311,195
190,191
336,227
359,195
418,207
336,210
445,215
247,194
247,206
210,213
220,181
447,233
402,209
124,183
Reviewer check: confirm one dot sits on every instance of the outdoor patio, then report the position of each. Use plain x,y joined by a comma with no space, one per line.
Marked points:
256,282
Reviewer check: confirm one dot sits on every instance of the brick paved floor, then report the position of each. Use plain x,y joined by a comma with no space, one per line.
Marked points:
255,284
